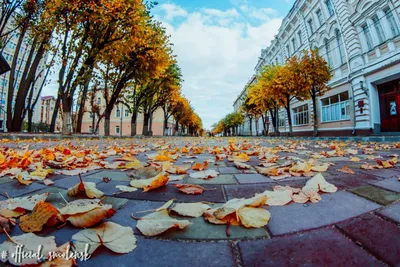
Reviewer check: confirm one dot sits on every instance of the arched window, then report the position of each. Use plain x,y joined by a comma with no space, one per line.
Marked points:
339,43
327,52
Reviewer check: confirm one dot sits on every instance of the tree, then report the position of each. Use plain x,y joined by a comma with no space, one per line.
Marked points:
287,84
37,24
316,73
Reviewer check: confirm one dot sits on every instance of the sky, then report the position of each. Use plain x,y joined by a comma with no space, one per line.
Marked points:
217,44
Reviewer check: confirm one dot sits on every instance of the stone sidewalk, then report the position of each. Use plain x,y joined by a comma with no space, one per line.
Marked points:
356,226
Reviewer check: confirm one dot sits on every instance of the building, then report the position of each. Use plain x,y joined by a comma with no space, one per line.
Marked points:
361,42
120,122
44,112
8,53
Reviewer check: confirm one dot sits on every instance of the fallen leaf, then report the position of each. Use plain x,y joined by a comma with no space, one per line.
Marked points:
208,174
41,214
346,169
27,203
29,244
278,198
48,182
191,209
253,217
172,178
233,205
200,167
158,222
190,189
318,183
113,236
306,195
354,159
88,187
124,188
149,184
241,165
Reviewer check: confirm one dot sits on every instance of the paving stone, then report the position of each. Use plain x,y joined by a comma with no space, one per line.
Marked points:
228,170
380,237
253,178
15,189
331,209
379,195
154,253
348,181
109,188
391,184
114,175
392,212
168,192
323,247
335,159
201,229
220,179
246,190
386,173
71,181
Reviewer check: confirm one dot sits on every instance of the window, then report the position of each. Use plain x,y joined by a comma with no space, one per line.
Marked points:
392,22
118,113
379,30
328,52
301,115
339,43
320,17
126,113
367,35
276,61
300,40
329,6
310,26
336,108
98,101
90,129
281,119
294,44
117,129
288,50
91,115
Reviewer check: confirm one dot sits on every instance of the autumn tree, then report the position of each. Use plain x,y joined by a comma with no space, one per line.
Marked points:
36,25
288,84
316,73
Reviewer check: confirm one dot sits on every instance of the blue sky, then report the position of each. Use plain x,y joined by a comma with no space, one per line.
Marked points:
217,43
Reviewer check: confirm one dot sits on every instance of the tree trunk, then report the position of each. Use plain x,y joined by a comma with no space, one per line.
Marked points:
133,123
145,130
165,125
82,106
30,116
67,123
151,124
107,118
176,128
93,122
274,122
289,115
315,122
55,114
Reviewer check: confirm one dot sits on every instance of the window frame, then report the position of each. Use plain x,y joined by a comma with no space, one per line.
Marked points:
336,106
379,30
367,35
329,7
320,17
115,129
304,115
392,22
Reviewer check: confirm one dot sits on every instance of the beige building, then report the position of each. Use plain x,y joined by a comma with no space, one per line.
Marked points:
120,124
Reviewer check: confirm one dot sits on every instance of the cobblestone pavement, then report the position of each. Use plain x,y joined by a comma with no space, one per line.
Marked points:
356,226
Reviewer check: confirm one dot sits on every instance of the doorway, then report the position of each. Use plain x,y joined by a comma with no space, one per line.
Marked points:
389,101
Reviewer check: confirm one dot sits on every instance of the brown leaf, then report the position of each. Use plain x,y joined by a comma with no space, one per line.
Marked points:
190,189
41,214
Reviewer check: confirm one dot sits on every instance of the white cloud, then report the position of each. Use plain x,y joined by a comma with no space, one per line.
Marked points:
172,11
217,51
